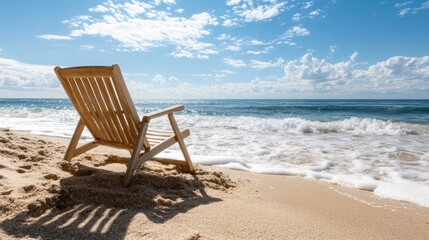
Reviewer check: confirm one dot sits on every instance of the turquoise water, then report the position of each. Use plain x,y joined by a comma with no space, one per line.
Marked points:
411,111
376,145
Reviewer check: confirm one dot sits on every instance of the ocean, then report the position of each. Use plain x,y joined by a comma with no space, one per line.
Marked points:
375,145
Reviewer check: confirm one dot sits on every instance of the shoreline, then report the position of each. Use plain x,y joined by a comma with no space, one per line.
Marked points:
220,204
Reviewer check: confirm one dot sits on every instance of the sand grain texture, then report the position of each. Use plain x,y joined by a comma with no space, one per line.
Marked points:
44,197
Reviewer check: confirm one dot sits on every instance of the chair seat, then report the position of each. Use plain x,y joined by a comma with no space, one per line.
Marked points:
156,137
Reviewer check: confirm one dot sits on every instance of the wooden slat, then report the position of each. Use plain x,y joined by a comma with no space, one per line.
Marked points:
94,111
84,110
71,94
155,140
154,143
127,104
124,94
84,72
159,133
155,131
98,112
112,111
116,145
104,111
161,138
125,126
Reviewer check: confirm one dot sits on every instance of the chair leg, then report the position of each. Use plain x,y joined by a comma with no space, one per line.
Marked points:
74,141
132,164
182,145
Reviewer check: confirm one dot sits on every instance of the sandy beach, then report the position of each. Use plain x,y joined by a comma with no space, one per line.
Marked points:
45,197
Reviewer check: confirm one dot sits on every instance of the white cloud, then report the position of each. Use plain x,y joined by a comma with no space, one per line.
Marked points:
256,64
232,2
99,8
79,20
137,26
216,75
296,17
232,43
252,10
255,42
315,13
54,37
182,53
265,50
197,50
332,50
234,48
410,7
180,10
308,4
230,22
398,67
236,44
395,75
311,68
404,11
157,2
261,12
401,5
86,47
224,36
18,75
256,52
227,72
236,63
162,80
208,51
295,31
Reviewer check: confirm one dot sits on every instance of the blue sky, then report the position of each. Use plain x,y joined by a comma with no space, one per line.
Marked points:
178,49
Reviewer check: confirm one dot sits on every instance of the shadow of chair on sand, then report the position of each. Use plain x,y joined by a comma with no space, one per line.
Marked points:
93,204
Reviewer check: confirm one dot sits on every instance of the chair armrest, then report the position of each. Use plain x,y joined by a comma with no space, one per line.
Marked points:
161,112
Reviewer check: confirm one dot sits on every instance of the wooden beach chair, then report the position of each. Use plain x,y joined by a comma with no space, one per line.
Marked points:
105,107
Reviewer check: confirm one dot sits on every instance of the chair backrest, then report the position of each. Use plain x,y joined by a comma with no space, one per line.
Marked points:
101,98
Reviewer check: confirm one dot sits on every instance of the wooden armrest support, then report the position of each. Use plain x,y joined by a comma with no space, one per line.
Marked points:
161,112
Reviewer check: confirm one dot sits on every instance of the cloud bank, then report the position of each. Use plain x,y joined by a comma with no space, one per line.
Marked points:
398,74
22,76
305,77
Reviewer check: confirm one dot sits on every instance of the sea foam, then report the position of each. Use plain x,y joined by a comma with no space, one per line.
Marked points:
386,157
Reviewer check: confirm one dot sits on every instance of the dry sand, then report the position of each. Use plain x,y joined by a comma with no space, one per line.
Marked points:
44,197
